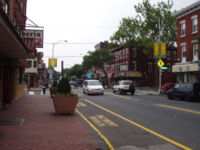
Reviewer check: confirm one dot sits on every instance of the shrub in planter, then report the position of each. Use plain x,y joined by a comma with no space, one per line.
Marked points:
64,101
64,86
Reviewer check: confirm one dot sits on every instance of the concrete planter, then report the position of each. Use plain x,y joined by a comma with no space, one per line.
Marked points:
65,104
53,91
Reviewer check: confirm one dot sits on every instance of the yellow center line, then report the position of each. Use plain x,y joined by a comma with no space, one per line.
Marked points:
178,108
142,127
108,143
121,96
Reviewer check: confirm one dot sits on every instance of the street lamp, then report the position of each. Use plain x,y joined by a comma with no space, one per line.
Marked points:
58,42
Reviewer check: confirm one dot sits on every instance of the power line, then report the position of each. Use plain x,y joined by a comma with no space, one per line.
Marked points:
71,43
62,56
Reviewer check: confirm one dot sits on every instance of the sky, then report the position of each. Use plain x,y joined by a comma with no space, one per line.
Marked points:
82,23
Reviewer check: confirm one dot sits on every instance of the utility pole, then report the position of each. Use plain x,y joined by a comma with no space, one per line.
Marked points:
62,63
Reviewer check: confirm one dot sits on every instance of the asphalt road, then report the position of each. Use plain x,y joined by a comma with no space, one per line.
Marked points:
141,122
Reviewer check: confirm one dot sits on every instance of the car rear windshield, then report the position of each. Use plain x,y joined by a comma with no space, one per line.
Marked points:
93,83
126,83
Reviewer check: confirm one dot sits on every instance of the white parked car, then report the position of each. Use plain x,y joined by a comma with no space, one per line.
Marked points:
92,87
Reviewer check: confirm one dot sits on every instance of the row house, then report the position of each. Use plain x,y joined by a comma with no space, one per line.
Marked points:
188,30
133,64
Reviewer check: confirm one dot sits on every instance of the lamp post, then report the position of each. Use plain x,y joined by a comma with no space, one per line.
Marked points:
52,67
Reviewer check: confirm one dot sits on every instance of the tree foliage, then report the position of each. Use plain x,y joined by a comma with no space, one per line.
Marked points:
97,59
152,23
76,70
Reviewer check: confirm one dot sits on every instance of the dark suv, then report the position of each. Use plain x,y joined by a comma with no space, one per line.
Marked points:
186,91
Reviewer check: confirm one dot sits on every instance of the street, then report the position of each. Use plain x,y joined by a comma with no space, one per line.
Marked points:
141,121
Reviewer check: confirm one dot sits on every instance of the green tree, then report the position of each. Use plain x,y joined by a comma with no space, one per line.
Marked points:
152,23
77,70
97,60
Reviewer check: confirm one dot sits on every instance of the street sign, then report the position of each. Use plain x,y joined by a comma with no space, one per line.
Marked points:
159,50
160,63
53,62
163,68
89,75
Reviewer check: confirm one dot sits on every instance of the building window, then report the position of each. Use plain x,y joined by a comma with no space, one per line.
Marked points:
183,28
194,24
134,50
35,64
195,50
150,67
29,63
134,66
126,52
183,50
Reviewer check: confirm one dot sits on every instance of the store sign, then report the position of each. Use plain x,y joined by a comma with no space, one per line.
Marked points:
185,68
37,35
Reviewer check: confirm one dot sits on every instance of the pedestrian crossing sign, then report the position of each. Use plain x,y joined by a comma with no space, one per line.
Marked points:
160,63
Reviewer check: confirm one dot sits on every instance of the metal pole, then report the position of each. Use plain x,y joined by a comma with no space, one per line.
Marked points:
159,57
52,67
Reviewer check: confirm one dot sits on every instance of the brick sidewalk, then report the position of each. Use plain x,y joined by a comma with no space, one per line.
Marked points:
41,129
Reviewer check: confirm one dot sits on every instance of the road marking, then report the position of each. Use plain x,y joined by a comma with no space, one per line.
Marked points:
121,96
102,121
108,143
97,121
81,104
130,98
140,126
178,108
107,121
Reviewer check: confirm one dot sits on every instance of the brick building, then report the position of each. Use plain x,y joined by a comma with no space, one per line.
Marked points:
188,30
14,50
133,64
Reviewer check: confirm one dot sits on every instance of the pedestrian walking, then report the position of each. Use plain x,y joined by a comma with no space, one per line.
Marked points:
132,88
44,88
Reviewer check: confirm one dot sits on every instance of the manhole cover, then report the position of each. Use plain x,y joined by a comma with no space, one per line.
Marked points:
17,122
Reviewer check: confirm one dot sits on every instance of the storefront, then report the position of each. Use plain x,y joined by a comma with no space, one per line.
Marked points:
12,51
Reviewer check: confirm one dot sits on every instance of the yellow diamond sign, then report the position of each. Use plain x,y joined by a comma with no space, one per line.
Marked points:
160,63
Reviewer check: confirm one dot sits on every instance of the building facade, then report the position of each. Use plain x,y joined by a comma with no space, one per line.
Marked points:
188,32
133,64
13,51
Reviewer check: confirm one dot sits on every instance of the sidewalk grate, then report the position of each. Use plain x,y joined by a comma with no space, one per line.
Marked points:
13,122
